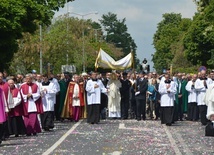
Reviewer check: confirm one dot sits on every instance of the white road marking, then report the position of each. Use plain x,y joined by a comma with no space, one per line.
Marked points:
53,147
172,141
184,145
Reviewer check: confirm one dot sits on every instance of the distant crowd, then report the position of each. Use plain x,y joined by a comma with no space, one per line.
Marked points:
31,103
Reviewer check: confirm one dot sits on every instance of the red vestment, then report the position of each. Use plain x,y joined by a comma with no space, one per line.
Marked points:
18,110
25,91
67,109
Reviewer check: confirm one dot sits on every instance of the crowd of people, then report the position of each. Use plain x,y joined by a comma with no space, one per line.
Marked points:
31,104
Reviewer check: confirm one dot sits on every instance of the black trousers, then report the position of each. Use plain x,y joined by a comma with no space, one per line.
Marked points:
47,119
16,126
124,104
93,113
141,108
167,115
180,108
192,113
157,110
203,113
56,107
133,108
1,132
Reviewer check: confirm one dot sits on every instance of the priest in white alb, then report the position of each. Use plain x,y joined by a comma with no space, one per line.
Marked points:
167,89
94,87
48,94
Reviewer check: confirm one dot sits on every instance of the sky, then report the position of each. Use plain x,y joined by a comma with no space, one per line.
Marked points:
142,17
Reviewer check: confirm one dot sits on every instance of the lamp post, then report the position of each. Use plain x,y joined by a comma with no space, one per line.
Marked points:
96,33
40,50
83,40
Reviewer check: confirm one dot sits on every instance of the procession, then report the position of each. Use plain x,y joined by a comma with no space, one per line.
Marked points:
31,104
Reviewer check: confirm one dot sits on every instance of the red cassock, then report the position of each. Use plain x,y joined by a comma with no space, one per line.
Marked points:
18,110
25,91
5,87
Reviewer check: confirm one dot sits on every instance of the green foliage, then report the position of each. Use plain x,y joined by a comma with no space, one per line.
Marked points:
167,33
18,16
63,38
169,44
199,41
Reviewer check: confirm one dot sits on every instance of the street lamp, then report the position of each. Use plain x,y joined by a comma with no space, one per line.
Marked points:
83,41
96,33
40,49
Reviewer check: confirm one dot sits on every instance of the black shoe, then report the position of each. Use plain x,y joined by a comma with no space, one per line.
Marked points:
29,134
34,134
168,124
46,129
16,135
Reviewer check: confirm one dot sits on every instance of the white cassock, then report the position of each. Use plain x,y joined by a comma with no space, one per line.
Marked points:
49,97
192,94
201,90
167,99
114,98
209,100
94,94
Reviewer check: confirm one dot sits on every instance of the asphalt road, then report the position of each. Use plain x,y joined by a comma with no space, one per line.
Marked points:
114,137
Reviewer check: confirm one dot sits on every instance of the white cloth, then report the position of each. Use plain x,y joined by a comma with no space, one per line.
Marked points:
167,98
16,101
54,80
31,101
209,101
192,94
114,98
106,61
201,90
39,84
48,97
56,86
94,94
76,100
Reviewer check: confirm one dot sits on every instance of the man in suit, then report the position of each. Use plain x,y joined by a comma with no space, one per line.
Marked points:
140,96
125,91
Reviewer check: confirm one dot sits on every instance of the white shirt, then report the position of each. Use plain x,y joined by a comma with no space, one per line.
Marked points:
167,99
201,90
48,97
192,94
94,94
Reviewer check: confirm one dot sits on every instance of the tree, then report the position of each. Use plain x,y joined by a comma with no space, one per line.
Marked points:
117,33
169,44
199,41
18,16
63,37
167,33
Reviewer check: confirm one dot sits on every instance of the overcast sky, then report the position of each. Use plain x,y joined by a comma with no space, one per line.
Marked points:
142,16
